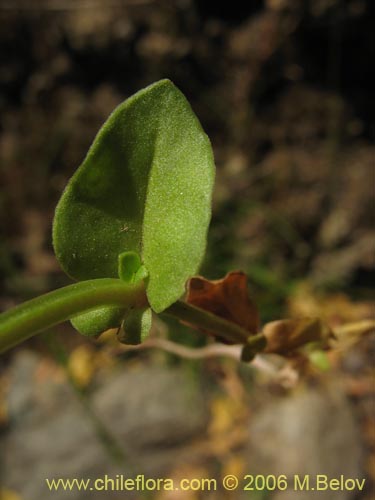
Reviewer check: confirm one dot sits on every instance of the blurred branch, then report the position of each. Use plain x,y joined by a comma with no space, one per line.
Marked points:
283,374
357,328
209,351
214,350
61,5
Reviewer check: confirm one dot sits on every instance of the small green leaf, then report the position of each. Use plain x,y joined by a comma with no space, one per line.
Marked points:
136,326
93,323
130,267
320,360
145,186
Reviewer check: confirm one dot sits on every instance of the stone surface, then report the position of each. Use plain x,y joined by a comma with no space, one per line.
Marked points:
312,432
155,413
151,412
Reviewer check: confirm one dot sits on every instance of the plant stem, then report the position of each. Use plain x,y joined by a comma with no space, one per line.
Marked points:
46,311
208,321
31,317
195,353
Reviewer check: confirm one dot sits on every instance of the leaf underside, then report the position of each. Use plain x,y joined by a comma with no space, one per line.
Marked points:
93,323
145,186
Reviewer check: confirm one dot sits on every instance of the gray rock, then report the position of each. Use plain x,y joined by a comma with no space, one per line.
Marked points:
312,432
153,407
151,412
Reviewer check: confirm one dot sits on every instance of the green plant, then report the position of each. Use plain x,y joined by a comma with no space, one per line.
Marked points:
131,227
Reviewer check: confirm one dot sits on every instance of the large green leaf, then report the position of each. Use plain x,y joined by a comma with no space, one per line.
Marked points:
145,186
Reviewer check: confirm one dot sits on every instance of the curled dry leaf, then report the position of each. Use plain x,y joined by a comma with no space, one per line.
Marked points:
286,335
227,297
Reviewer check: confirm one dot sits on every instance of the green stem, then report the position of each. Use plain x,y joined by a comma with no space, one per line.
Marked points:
208,321
46,311
31,317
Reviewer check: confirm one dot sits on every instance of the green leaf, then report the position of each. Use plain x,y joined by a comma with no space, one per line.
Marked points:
130,267
145,186
93,323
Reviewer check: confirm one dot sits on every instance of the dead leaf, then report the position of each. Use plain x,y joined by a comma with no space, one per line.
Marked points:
4,383
189,472
82,365
224,414
228,298
334,309
368,428
6,494
370,468
286,335
234,466
360,387
349,334
228,426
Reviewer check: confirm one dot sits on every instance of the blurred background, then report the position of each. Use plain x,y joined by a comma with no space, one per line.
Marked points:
284,89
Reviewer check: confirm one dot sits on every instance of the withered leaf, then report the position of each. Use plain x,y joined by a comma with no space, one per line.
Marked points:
228,298
286,335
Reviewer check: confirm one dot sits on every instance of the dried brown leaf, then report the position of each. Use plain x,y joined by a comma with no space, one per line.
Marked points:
286,335
228,298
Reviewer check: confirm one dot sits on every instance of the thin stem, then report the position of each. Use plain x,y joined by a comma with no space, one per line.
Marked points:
31,317
209,351
206,320
261,363
46,311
